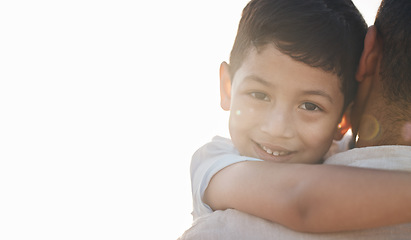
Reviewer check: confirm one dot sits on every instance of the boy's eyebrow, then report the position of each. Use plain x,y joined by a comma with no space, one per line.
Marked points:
319,93
258,79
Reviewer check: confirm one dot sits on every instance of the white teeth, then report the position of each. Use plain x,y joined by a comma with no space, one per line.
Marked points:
267,150
275,153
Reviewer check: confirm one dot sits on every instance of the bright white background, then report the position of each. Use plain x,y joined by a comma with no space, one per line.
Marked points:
102,104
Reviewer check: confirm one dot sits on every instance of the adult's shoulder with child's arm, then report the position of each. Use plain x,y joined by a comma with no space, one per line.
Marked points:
293,194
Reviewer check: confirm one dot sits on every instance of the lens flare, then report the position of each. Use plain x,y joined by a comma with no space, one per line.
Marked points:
369,128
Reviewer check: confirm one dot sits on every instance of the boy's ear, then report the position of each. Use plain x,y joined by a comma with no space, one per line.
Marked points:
344,125
368,64
225,86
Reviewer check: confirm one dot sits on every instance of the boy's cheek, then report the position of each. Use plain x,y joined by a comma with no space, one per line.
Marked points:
238,119
243,119
244,115
319,136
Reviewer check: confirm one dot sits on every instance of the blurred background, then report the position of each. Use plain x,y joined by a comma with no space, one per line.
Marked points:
102,104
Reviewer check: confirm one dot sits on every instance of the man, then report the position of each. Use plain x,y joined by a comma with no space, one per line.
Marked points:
381,121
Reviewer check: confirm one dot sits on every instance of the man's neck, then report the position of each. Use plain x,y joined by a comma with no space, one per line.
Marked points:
375,132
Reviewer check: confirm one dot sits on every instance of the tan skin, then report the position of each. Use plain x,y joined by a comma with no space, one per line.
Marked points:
305,197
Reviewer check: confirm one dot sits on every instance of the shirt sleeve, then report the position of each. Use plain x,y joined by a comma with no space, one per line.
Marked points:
205,163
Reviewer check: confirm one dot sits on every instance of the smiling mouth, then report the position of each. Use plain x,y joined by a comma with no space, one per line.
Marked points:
275,153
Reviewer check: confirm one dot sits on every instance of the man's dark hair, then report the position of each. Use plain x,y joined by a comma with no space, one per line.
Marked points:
326,34
393,23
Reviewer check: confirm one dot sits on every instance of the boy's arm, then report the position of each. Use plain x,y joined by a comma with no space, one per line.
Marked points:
313,198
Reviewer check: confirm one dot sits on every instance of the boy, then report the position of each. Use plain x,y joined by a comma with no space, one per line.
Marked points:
291,75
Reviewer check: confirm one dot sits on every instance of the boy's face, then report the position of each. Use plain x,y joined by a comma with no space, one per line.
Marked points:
281,110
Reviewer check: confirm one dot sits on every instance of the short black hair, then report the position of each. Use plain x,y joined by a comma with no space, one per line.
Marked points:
326,34
393,23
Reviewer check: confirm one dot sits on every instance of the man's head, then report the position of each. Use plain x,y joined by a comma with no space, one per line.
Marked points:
382,110
290,76
326,34
393,23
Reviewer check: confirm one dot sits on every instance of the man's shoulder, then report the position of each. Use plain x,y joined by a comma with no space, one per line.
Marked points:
394,157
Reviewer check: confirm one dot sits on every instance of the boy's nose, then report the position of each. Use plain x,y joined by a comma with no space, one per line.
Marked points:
278,123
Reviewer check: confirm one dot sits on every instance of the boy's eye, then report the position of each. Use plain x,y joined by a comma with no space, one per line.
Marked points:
260,96
310,106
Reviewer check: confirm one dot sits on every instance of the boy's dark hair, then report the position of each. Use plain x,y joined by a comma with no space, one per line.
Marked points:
393,23
326,34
